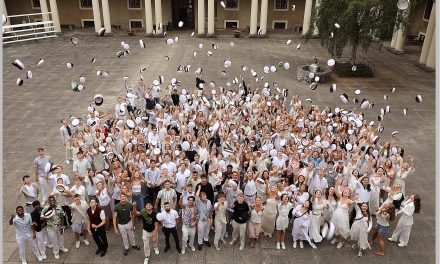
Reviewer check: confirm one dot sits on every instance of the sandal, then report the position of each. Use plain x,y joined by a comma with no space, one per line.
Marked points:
377,253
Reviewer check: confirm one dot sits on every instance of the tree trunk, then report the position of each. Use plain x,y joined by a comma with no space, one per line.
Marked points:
353,54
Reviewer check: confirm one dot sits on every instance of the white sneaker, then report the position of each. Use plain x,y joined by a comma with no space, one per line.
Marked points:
23,261
156,250
278,245
223,241
57,256
77,244
65,249
226,235
217,247
294,244
86,242
40,258
401,245
241,247
391,239
193,248
49,245
283,246
301,244
145,260
232,242
68,161
334,241
44,256
339,246
183,250
313,245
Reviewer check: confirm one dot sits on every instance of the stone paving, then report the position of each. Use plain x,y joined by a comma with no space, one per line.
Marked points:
32,115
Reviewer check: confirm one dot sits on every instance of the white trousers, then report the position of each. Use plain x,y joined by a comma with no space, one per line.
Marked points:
68,151
45,189
146,238
220,230
57,239
238,229
43,240
190,232
402,233
127,234
202,231
22,247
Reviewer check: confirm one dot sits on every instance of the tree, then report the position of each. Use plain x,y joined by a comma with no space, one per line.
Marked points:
356,23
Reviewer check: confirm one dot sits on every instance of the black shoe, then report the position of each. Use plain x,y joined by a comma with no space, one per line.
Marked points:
199,246
166,249
98,251
103,253
179,250
126,252
136,247
207,244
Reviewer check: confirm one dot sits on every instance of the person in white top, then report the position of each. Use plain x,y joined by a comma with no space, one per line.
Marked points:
104,200
168,164
181,178
169,218
66,139
79,219
384,216
79,188
408,208
24,232
53,178
81,166
254,224
220,221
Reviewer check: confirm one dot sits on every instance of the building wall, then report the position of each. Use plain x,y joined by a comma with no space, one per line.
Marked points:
417,23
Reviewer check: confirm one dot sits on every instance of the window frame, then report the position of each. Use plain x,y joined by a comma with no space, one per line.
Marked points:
231,20
134,8
137,20
277,9
233,9
280,21
84,8
86,19
35,7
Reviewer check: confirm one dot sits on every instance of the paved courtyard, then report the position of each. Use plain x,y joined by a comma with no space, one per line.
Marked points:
32,115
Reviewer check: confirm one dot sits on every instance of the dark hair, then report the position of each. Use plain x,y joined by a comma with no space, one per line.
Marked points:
203,176
392,212
417,203
76,195
40,148
26,176
96,199
35,203
18,207
51,196
192,197
220,195
166,203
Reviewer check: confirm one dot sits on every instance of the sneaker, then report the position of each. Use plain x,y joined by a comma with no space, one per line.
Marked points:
283,246
125,252
339,246
145,260
232,242
136,247
278,245
179,250
226,235
193,248
216,247
102,253
86,242
360,254
57,256
156,250
40,258
294,244
166,249
68,161
301,244
183,250
207,243
401,245
223,241
23,261
241,246
64,249
44,256
334,241
391,239
77,244
199,247
98,251
313,245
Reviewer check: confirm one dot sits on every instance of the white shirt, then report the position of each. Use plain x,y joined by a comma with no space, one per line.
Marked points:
104,198
81,166
171,166
168,218
81,190
55,177
23,228
364,194
181,180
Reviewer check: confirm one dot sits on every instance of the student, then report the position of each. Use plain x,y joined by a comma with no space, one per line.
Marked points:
124,215
79,219
220,221
204,209
282,221
150,228
30,191
239,220
40,228
190,216
408,208
169,218
55,225
385,215
96,226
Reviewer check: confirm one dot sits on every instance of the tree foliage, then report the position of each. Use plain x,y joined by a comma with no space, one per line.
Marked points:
359,22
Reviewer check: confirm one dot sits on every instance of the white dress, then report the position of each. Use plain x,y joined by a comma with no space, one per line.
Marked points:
315,225
376,185
328,212
341,221
269,216
283,216
301,225
360,228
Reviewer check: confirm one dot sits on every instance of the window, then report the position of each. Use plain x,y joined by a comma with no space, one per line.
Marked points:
428,9
231,4
136,23
134,4
88,23
279,24
281,4
35,4
231,24
85,4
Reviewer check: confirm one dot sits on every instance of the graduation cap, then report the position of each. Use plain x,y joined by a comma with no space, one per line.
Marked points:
50,212
142,44
331,62
227,63
273,68
101,32
130,123
405,111
266,69
260,30
380,118
19,82
402,4
192,34
419,98
357,92
331,35
387,109
200,45
394,133
28,75
166,58
393,89
313,85
293,7
169,41
105,73
355,100
180,24
69,65
337,25
209,53
180,68
344,98
380,129
93,60
222,3
232,43
161,79
40,62
364,103
298,46
99,99
214,46
138,111
194,54
80,87
309,100
82,79
17,63
156,82
289,42
354,68
333,88
74,41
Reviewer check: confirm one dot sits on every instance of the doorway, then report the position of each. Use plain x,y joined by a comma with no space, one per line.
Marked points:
183,10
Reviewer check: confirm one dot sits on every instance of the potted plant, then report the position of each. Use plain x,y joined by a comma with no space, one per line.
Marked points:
130,32
237,33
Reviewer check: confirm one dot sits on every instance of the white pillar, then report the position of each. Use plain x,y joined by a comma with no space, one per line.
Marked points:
158,14
254,15
307,16
96,15
428,36
106,16
148,17
211,18
315,28
44,9
401,34
263,17
55,17
430,61
201,17
5,12
393,40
